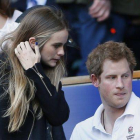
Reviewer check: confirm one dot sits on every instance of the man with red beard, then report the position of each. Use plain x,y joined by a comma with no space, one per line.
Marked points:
111,66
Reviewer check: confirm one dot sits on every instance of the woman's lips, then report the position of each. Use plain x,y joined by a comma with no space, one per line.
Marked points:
55,60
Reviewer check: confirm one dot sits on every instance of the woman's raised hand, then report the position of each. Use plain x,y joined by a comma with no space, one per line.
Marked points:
26,55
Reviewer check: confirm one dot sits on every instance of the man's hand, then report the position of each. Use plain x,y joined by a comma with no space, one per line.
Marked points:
100,9
26,55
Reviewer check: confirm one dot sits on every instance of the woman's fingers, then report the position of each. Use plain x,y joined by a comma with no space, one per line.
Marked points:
28,47
22,46
19,50
16,52
26,55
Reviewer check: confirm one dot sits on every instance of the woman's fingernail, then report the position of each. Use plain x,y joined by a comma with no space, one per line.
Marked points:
36,43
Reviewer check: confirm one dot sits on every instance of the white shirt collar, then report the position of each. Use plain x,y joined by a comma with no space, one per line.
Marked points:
96,123
129,110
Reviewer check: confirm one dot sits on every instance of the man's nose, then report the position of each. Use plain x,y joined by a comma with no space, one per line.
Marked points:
119,83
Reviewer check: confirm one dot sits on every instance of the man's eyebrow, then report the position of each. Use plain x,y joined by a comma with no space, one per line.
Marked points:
111,74
126,72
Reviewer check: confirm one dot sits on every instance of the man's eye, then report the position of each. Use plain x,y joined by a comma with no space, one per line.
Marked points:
125,76
111,77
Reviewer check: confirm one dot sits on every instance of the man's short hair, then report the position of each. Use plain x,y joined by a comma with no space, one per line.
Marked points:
114,51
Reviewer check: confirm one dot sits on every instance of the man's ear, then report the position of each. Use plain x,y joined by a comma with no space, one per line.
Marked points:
32,42
95,80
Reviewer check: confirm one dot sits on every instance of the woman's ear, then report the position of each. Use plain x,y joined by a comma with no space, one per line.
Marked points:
32,42
95,80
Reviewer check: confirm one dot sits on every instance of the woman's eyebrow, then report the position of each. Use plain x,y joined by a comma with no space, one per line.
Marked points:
59,44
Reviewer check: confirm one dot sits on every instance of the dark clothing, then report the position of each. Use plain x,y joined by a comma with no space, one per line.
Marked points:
55,110
126,7
87,32
19,4
75,1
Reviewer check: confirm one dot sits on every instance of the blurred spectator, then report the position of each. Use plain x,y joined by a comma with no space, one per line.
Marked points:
93,22
86,30
19,4
8,15
31,3
51,2
22,5
130,11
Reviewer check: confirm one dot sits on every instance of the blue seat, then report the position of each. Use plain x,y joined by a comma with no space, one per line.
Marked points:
83,100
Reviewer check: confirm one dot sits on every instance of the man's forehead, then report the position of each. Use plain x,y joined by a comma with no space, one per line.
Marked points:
115,67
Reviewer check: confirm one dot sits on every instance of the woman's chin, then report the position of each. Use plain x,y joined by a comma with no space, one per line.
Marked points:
48,65
51,65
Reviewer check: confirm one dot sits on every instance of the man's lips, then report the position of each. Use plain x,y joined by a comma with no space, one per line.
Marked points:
120,94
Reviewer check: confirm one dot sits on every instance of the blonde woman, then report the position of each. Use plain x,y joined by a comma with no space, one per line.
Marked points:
32,104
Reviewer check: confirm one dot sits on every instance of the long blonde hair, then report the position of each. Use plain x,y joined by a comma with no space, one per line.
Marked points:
40,23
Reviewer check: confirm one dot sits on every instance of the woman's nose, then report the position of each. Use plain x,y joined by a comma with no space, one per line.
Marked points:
61,51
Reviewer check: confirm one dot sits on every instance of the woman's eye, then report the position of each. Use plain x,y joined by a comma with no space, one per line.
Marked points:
56,46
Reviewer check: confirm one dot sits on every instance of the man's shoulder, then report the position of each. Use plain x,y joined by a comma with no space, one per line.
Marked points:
86,124
91,121
83,129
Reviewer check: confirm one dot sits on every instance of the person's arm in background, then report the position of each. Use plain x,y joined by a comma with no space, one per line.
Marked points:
100,9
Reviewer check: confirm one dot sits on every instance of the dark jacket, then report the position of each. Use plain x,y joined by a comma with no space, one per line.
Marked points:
74,1
55,110
126,7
